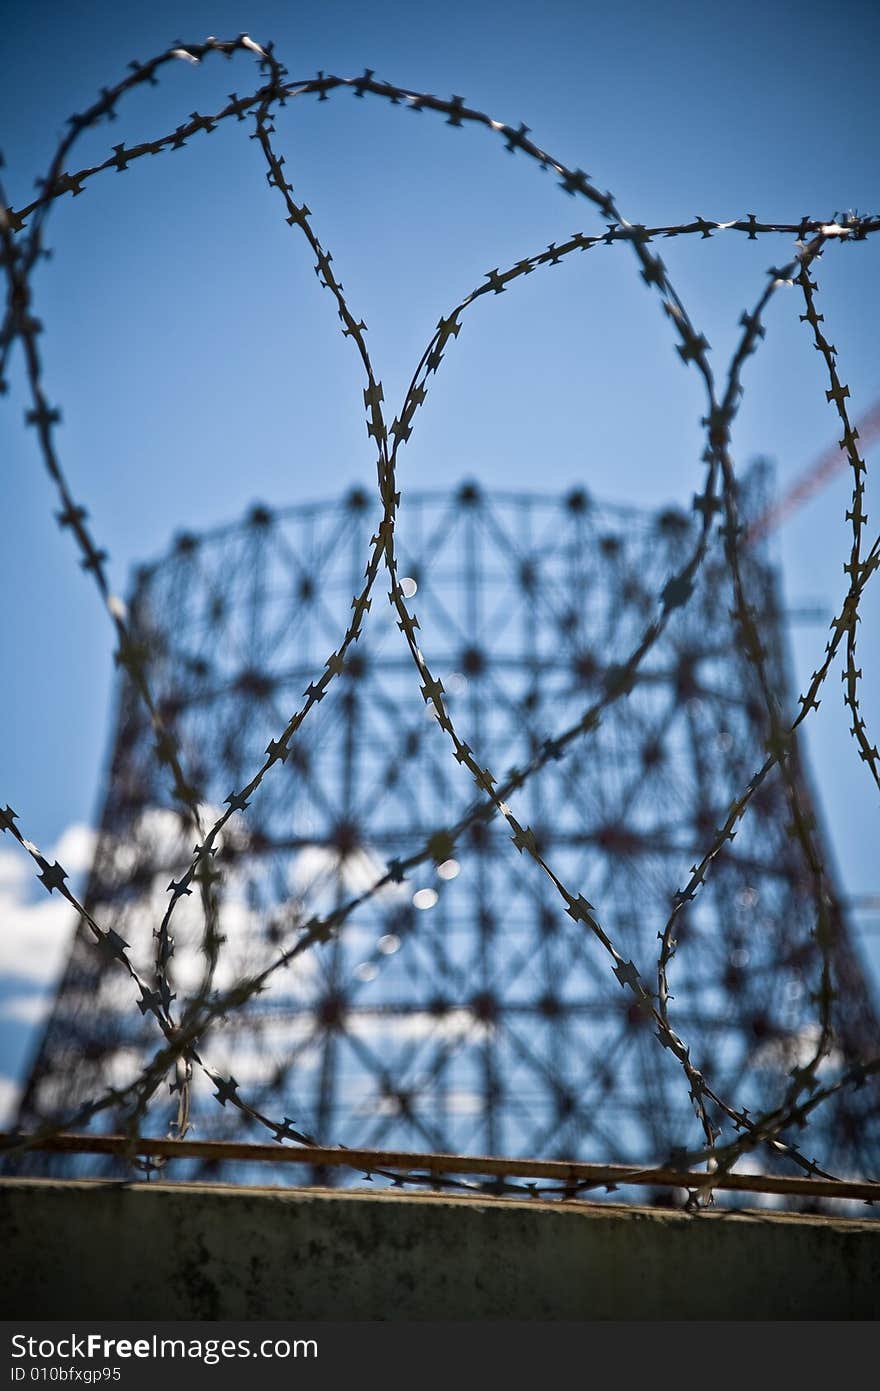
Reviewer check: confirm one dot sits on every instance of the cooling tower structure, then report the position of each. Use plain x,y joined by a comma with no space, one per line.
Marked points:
461,1010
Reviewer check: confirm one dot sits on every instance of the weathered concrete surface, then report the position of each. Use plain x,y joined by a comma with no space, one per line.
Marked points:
168,1251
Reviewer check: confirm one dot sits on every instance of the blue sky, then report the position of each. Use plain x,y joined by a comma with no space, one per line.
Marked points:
198,364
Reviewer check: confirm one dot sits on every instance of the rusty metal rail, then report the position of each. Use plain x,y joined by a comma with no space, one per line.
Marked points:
369,1161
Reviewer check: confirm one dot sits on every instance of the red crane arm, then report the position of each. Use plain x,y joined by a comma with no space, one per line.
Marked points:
830,462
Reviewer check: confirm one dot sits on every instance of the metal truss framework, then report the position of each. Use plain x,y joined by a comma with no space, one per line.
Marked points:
463,1011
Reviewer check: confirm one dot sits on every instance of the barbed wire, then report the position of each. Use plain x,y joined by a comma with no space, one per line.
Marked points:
22,242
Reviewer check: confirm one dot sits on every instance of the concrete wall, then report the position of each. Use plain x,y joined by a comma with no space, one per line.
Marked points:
165,1251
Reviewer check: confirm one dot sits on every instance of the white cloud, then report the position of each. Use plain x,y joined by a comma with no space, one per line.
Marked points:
453,1026
9,1094
37,928
36,935
15,867
75,848
37,931
27,1009
797,1050
359,870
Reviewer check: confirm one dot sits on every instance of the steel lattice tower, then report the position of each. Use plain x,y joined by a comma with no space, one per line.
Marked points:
487,1022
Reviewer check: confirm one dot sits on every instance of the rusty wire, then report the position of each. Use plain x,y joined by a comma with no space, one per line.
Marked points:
182,1033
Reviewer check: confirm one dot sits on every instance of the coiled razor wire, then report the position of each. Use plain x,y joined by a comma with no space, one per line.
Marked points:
180,1051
